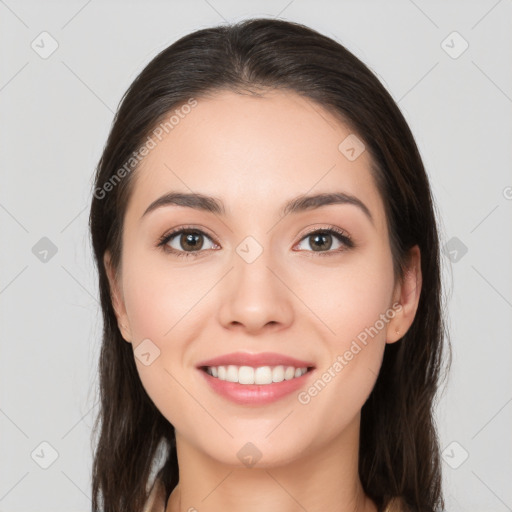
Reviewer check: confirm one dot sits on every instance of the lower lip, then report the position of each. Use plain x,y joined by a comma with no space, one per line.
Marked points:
255,394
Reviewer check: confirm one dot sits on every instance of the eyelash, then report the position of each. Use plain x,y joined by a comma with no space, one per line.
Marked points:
332,230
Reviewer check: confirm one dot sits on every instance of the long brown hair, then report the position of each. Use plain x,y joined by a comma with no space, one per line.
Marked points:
399,451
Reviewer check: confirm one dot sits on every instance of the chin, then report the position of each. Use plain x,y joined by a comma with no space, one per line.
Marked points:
256,451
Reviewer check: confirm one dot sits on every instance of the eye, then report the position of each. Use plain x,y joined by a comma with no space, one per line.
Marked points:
321,240
189,242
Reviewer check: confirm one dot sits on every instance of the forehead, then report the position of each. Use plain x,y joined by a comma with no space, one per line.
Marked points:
255,152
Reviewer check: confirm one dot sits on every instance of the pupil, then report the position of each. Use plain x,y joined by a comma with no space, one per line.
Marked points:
189,240
321,237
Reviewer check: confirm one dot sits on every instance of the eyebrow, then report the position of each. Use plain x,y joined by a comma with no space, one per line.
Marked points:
296,205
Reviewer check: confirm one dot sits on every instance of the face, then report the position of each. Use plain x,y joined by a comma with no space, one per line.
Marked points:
314,285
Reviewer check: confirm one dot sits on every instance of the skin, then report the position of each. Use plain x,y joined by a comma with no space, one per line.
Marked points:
255,153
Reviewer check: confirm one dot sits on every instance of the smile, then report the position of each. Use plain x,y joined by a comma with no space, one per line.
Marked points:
262,375
254,394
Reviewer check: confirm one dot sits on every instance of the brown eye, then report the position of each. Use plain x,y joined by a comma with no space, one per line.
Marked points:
191,241
185,242
322,240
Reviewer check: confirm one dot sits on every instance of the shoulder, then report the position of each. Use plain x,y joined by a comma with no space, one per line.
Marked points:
396,504
156,501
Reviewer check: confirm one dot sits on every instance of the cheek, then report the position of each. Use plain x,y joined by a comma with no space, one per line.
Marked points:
351,298
354,304
359,304
164,305
159,299
160,307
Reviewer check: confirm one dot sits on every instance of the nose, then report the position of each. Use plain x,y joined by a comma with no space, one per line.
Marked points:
256,296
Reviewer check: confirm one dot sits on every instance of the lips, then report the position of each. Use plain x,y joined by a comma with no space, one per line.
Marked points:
255,360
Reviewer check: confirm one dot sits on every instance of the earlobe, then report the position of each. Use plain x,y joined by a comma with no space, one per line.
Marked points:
407,295
116,297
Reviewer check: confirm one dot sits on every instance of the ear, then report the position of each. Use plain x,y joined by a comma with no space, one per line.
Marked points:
116,296
406,296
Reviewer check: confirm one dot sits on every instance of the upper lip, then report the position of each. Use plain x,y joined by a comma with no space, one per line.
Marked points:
255,360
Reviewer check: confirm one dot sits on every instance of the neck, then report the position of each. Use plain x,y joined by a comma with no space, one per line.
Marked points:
325,478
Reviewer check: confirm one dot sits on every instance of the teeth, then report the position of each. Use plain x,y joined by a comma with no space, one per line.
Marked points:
232,374
278,374
246,375
289,373
250,375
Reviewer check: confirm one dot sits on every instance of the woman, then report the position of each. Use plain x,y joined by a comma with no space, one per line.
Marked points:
268,262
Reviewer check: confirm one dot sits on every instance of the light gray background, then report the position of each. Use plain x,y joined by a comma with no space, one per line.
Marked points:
55,117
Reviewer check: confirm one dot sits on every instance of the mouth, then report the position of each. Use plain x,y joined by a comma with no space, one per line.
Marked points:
255,379
261,375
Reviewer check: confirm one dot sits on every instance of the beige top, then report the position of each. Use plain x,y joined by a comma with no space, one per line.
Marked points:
157,500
